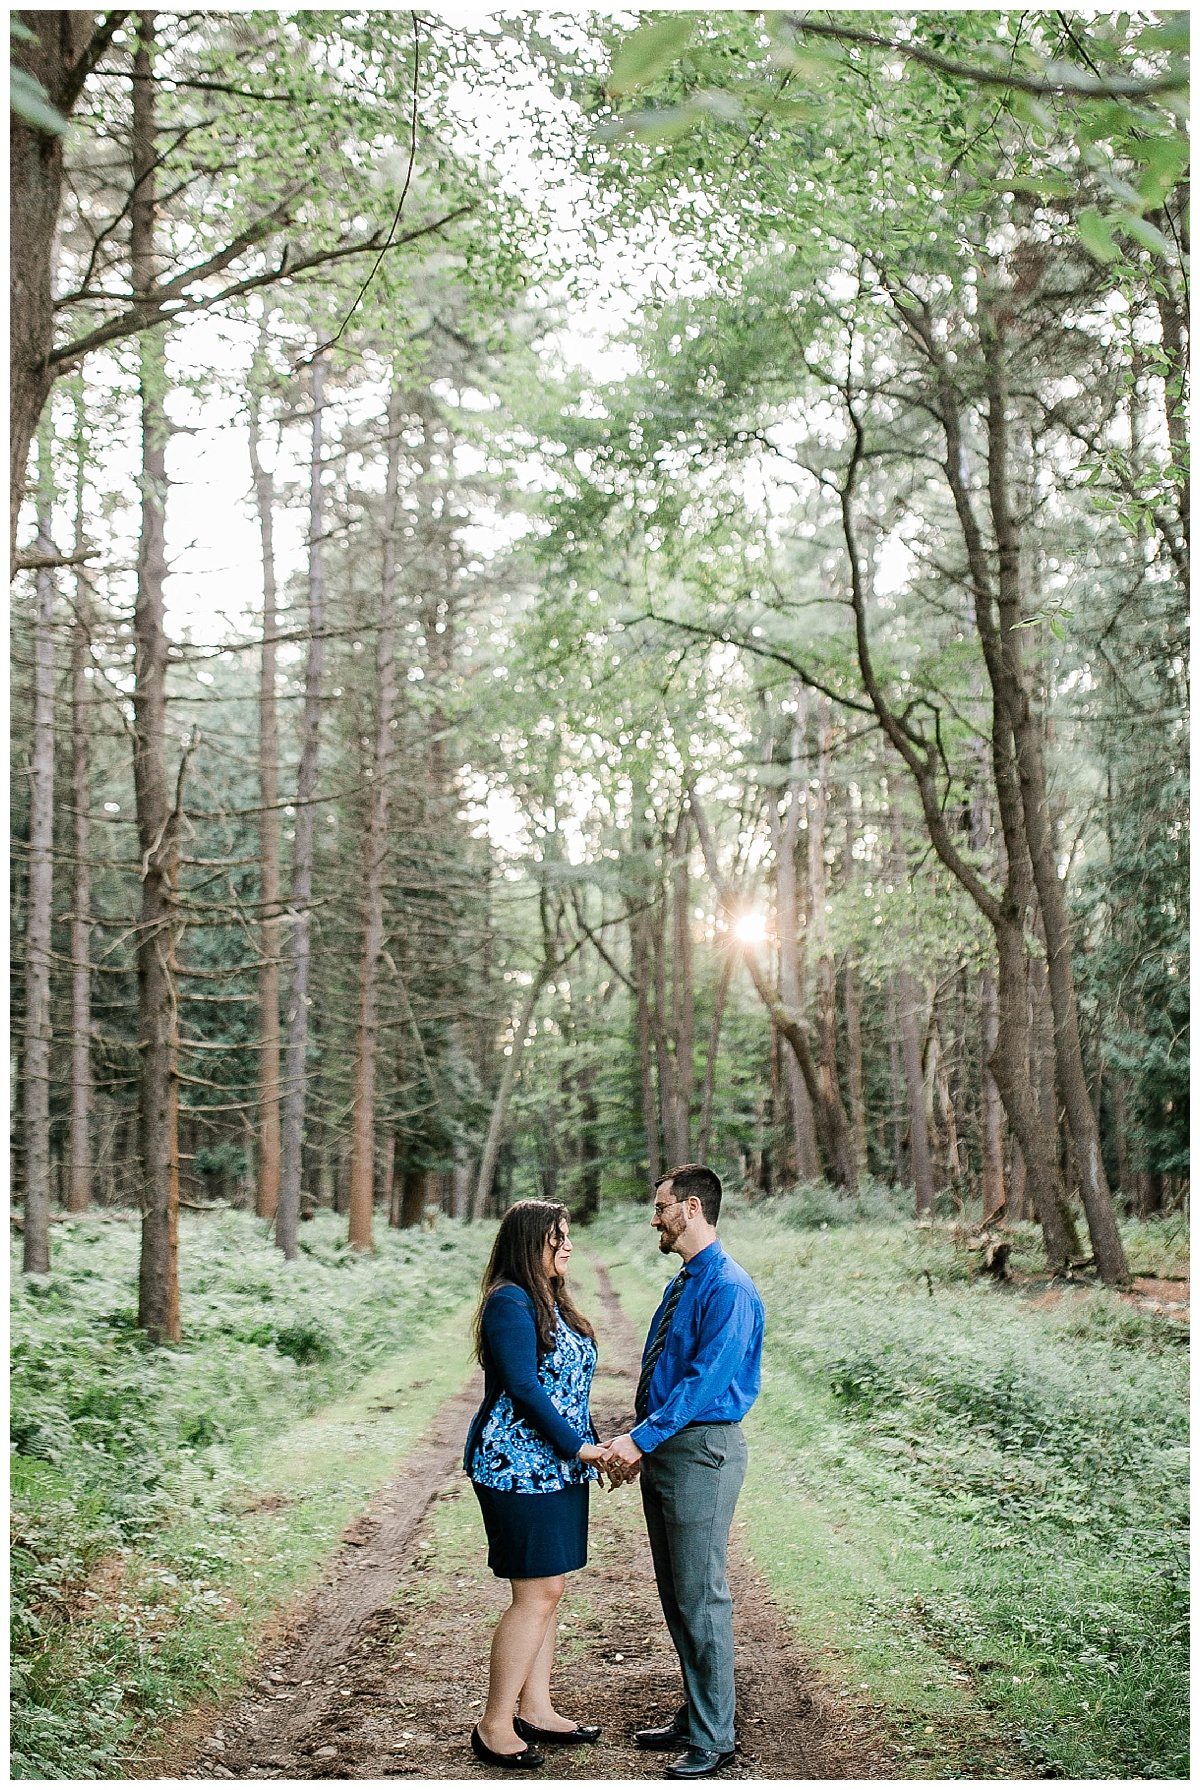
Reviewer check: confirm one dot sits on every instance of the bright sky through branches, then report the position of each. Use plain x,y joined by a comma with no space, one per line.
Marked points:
214,586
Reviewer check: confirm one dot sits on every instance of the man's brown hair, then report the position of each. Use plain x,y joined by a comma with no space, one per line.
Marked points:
692,1181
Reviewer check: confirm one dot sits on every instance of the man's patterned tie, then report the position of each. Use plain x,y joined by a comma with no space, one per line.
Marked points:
641,1403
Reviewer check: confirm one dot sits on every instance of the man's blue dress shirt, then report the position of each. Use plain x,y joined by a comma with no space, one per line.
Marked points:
710,1369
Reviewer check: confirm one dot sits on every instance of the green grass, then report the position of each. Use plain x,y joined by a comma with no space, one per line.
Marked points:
169,1502
970,1503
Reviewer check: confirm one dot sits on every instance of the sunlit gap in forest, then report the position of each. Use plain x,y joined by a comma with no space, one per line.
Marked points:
595,590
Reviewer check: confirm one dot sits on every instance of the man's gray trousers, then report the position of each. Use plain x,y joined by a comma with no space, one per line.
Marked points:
690,1485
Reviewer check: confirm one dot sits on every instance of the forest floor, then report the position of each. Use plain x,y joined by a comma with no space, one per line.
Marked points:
368,1680
917,1424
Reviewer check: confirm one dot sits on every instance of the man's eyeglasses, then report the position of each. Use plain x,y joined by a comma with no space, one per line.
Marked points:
659,1210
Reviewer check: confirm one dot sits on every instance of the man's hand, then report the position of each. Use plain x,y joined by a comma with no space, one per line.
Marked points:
622,1455
610,1467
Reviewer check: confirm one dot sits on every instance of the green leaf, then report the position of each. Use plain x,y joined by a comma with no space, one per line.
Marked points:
30,101
651,125
648,53
1173,32
809,64
1120,189
1041,186
37,1481
719,105
795,111
1095,233
1144,233
1165,158
1030,111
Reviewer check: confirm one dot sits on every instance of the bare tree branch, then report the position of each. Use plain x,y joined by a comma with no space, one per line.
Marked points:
1059,81
147,313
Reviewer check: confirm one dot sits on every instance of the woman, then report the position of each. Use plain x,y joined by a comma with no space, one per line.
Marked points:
529,1453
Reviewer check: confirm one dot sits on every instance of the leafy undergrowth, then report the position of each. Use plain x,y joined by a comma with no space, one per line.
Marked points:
166,1502
974,1495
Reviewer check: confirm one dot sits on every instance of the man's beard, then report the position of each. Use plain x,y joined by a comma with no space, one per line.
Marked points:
666,1239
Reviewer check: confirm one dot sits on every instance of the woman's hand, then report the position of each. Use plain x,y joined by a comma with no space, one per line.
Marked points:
594,1456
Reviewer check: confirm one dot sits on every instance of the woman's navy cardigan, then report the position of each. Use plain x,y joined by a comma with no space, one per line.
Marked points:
510,1364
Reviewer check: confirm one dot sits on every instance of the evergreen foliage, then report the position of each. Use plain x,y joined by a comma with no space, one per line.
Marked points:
764,739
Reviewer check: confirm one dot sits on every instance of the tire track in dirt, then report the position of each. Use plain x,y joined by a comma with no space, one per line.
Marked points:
382,1673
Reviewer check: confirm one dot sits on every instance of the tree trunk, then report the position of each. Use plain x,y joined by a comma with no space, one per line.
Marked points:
640,958
491,1148
896,1082
1041,1045
710,1062
1015,1207
852,995
833,1129
991,1132
362,1169
908,1004
1010,1068
779,1115
817,940
267,1184
1085,1133
390,1202
548,1166
1125,1179
460,1205
36,1089
1173,323
301,894
326,1190
668,1086
682,994
79,1184
787,908
58,59
158,1032
994,1196
937,1086
1007,911
412,1204
589,1147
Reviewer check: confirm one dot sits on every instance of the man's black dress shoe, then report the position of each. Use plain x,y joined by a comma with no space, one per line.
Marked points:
576,1736
522,1761
697,1762
665,1740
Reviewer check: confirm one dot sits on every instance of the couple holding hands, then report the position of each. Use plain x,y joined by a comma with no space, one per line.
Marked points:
532,1451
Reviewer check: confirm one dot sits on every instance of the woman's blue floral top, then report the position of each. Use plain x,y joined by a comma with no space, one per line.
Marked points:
511,1456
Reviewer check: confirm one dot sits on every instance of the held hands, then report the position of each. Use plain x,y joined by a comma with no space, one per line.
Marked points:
617,1461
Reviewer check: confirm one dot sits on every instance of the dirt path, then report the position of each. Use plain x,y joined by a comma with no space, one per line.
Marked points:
382,1674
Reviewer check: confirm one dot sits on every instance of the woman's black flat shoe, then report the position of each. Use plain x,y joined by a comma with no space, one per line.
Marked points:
524,1761
551,1737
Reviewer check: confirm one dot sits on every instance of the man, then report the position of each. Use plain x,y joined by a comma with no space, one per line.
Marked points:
701,1371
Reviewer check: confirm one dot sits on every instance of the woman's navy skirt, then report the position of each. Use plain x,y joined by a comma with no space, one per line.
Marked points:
535,1535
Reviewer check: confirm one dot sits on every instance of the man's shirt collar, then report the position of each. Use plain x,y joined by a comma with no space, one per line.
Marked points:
704,1258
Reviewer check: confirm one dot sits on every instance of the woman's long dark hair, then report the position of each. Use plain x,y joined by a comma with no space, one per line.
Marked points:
516,1260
